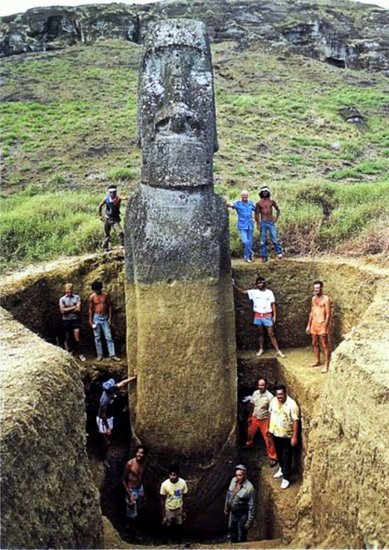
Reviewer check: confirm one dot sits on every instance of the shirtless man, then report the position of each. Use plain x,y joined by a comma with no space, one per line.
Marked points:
318,325
100,316
132,482
266,222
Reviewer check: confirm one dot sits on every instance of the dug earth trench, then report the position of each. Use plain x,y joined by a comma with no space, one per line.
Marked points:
338,497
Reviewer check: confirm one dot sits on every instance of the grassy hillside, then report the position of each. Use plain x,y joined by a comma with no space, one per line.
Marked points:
69,129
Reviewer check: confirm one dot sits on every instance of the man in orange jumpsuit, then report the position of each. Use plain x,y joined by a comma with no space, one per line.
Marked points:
319,324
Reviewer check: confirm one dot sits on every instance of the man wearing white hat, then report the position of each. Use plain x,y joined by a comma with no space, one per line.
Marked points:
111,219
267,222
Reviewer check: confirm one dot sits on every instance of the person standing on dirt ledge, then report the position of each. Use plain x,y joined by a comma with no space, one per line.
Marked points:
319,325
259,419
100,318
70,308
265,312
267,222
283,428
104,418
111,218
240,505
133,482
244,209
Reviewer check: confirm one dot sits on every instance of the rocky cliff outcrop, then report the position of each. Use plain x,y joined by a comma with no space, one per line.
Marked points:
343,33
48,499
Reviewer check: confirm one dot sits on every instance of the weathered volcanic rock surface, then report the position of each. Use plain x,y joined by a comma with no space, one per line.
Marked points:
341,33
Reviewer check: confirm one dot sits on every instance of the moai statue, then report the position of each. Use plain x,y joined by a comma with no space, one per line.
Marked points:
179,304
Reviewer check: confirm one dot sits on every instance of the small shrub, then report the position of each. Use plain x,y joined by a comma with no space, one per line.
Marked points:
121,174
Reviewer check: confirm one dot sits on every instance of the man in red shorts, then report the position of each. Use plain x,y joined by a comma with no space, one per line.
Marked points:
318,325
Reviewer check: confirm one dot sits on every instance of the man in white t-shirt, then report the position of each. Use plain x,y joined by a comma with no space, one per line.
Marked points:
265,312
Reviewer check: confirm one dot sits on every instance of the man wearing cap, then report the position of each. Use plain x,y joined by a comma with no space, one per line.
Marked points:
245,225
240,505
267,222
104,418
111,218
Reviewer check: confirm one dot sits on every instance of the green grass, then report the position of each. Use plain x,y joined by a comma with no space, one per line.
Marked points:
69,130
43,226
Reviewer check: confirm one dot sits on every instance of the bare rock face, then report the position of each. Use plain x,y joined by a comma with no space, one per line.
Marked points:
48,499
180,316
343,34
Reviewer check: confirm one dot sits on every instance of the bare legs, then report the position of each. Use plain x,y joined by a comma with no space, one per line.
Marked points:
273,339
317,342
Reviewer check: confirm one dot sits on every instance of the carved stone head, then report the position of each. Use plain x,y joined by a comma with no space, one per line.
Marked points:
176,109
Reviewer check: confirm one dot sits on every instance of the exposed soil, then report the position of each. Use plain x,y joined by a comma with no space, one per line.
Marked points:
356,288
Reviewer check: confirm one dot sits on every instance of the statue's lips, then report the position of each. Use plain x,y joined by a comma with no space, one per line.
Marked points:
174,139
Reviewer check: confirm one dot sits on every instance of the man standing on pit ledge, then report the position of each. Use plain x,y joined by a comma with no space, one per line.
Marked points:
111,219
265,312
240,505
319,325
259,419
70,308
245,225
133,482
283,428
267,222
100,318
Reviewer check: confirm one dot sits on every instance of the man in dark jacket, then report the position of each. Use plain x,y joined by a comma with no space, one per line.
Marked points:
240,505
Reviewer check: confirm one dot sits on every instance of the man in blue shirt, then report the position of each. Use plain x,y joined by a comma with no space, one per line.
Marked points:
244,209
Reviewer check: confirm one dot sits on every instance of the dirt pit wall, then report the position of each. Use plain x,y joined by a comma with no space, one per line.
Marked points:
33,296
48,499
344,498
292,283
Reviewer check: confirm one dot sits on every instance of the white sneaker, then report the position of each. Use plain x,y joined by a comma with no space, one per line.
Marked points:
278,473
280,354
259,353
285,484
82,357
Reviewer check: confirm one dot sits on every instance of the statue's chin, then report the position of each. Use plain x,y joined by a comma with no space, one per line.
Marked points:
178,161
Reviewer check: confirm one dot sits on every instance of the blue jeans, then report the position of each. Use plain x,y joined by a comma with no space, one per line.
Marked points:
267,226
101,324
246,236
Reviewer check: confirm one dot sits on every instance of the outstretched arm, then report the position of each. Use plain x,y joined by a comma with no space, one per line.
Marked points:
101,208
242,290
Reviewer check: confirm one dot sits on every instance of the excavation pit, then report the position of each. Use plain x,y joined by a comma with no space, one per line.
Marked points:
32,299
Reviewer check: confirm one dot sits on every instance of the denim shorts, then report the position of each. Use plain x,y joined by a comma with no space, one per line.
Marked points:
263,322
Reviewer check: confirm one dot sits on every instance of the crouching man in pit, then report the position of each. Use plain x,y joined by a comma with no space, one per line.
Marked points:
104,419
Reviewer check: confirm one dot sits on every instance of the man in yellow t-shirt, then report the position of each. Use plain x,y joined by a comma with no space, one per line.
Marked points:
283,428
172,494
